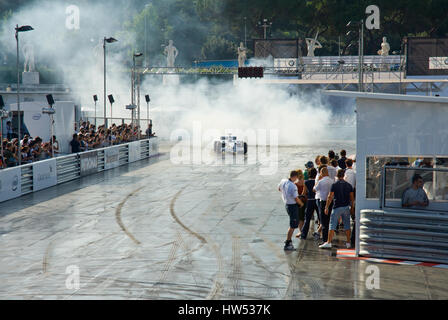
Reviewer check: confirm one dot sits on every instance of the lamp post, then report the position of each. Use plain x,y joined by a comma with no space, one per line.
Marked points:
245,32
135,55
265,24
95,99
146,48
108,40
19,29
360,25
147,106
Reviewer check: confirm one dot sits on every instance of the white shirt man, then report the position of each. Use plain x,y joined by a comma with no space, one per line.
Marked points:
350,174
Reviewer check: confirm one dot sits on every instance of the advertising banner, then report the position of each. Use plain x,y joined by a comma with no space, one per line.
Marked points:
89,162
10,183
44,174
111,157
134,151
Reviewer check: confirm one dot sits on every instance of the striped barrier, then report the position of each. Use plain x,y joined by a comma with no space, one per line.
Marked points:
349,254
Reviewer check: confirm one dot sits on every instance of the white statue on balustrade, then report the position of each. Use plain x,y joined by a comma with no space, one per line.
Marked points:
242,55
171,53
385,48
312,44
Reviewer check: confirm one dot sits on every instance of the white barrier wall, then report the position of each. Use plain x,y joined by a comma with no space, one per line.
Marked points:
10,183
44,174
47,173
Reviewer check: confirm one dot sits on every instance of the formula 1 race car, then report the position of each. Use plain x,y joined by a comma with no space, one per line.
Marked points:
230,144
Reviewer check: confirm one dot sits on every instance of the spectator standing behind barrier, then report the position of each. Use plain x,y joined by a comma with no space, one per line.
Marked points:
311,202
342,193
292,202
341,161
76,146
333,169
323,186
300,184
415,197
350,173
350,177
9,131
308,166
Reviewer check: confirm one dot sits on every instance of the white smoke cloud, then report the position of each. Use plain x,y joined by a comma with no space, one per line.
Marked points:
300,119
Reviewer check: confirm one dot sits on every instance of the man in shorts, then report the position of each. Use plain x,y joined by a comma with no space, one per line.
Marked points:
292,202
342,193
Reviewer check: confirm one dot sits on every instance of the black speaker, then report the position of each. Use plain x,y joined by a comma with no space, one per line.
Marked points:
95,98
111,98
147,98
50,99
2,104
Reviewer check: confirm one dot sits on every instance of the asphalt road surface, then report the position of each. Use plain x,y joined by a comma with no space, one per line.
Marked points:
160,230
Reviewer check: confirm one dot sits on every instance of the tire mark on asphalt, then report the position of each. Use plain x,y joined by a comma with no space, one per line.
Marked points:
217,286
118,216
238,290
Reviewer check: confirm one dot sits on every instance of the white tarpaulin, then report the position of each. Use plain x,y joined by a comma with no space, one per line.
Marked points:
438,63
134,151
44,174
111,157
10,183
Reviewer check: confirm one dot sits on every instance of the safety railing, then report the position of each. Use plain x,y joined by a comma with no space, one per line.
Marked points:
403,229
28,178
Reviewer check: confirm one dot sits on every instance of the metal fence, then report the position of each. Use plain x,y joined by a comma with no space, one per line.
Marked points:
21,180
419,234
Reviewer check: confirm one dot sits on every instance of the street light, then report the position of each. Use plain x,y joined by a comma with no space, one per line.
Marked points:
265,24
108,40
146,48
360,25
136,55
111,100
147,106
19,29
50,111
95,99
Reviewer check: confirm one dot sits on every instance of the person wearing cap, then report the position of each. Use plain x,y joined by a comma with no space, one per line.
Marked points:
308,166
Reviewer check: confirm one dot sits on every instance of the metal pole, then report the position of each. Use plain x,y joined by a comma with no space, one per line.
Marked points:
18,95
245,33
1,135
104,53
146,52
359,61
95,114
138,104
52,135
147,112
362,55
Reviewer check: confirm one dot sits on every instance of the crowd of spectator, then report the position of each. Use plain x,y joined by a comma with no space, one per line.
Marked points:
327,188
31,149
87,137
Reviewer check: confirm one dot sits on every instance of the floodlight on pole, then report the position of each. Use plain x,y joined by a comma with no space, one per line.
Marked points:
108,40
19,29
136,55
